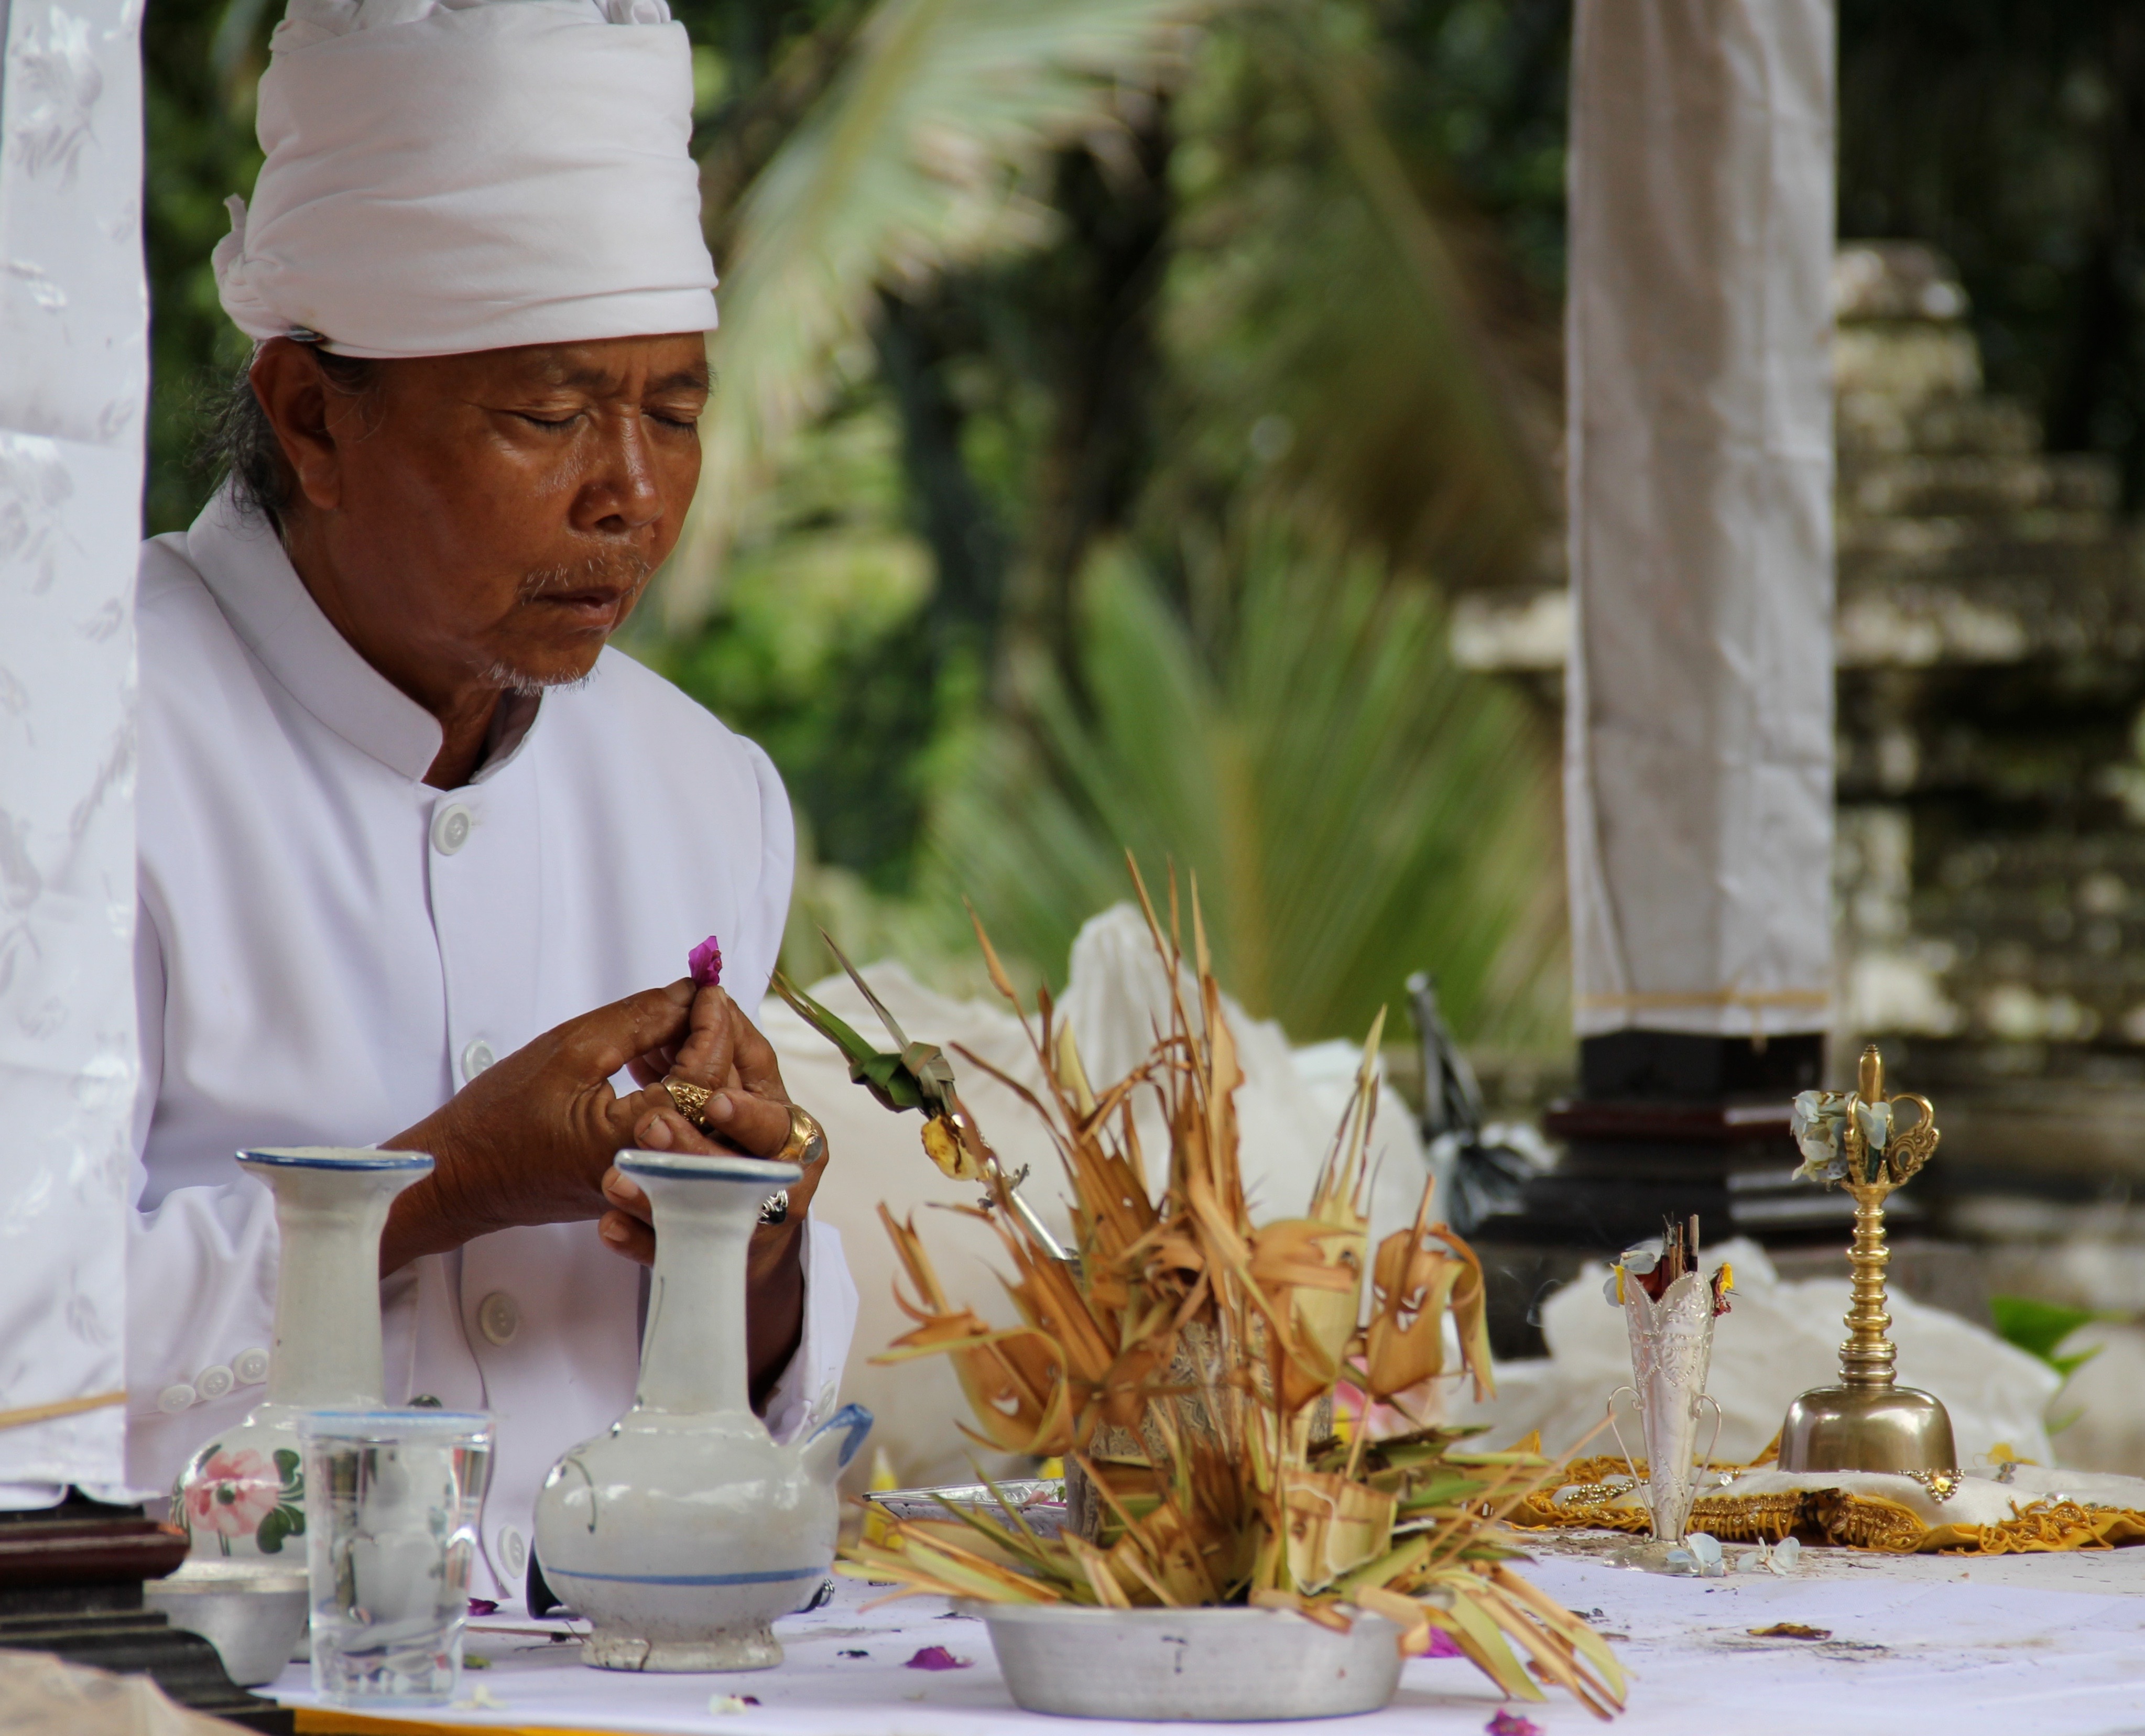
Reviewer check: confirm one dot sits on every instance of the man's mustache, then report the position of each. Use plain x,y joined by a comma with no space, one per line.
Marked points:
626,571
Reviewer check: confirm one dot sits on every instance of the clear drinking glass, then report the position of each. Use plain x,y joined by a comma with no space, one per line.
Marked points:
392,1500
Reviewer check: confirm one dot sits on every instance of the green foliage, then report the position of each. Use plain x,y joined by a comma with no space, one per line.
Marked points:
200,61
1353,806
2040,1328
1402,409
918,158
815,651
2011,134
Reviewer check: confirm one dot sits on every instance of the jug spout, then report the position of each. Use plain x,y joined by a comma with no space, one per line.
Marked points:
827,1452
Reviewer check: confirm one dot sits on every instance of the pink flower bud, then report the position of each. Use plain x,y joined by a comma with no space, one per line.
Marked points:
706,963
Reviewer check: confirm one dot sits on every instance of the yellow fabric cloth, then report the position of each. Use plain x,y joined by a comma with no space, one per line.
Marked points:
2038,1510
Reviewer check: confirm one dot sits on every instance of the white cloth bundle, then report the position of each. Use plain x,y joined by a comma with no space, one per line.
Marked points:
1779,1337
444,178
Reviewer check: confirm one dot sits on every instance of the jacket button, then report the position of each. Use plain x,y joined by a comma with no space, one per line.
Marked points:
451,828
250,1366
213,1383
475,1059
513,1550
499,1317
175,1398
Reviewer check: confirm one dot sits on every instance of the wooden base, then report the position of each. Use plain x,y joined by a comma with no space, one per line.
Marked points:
71,1584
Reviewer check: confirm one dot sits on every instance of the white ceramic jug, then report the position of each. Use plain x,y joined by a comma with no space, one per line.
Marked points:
683,1531
242,1496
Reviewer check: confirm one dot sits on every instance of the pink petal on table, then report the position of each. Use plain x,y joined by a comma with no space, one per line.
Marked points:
1510,1724
705,963
936,1657
1442,1644
483,1606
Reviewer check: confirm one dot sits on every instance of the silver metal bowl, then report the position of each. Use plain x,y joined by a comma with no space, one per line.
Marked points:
254,1620
1040,1501
1235,1664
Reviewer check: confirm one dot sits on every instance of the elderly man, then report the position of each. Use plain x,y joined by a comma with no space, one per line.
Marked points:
405,819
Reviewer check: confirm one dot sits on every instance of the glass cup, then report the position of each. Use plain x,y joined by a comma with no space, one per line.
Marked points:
391,1501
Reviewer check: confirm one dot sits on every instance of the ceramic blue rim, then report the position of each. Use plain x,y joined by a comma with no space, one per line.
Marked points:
336,1157
771,1576
391,1425
763,1171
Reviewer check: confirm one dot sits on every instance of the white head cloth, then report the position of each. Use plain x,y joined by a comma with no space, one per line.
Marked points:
471,175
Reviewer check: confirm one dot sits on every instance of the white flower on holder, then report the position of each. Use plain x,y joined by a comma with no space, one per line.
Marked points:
1816,1121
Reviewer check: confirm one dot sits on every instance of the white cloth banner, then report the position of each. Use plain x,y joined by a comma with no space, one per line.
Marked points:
73,379
1698,715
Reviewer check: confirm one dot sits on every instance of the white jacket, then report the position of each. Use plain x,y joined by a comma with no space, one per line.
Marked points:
328,948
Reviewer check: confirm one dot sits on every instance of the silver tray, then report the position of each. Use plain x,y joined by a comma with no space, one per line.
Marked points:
1040,1501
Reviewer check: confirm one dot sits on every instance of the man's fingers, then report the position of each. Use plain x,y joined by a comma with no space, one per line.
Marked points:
627,1194
661,1128
750,1123
800,1194
703,1057
608,1038
755,1058
627,1235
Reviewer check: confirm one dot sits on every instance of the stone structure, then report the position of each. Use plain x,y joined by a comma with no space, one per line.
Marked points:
1991,650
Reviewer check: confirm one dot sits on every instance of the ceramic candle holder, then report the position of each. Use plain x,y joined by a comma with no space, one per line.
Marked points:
684,1528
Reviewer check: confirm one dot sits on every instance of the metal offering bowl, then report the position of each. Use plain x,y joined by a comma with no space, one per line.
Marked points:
254,1620
1038,1500
1231,1664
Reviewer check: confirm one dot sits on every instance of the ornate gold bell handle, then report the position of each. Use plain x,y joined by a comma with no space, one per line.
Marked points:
1907,1151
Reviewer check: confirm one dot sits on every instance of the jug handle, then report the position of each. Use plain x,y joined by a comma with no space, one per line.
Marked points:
856,1421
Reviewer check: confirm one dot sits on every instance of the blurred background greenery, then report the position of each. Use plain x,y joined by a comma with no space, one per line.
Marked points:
1111,392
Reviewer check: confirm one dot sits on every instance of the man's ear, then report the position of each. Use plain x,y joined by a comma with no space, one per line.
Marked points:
295,397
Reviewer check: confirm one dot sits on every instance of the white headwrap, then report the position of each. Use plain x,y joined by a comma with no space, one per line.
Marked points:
470,175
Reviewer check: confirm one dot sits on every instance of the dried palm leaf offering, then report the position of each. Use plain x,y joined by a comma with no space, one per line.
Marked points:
1184,1361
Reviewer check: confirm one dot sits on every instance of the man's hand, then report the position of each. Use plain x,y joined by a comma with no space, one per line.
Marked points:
530,1139
725,1052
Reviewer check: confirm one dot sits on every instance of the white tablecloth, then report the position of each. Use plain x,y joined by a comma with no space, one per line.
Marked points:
2019,1646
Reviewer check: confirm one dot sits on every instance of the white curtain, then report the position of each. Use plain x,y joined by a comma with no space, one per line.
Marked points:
73,399
1698,716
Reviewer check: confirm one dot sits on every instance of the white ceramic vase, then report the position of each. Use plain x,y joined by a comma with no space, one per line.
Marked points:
684,1529
242,1496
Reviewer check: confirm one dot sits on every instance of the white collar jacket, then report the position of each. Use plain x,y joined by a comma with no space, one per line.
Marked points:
328,948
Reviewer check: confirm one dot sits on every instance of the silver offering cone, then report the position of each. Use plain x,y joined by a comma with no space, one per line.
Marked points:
1671,1350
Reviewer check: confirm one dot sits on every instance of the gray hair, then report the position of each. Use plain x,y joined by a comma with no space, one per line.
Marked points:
237,443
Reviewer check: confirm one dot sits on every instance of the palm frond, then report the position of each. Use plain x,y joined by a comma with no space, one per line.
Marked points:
1354,807
919,156
1332,296
1181,1363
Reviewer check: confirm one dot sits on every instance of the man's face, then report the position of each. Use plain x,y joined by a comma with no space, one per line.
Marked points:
494,516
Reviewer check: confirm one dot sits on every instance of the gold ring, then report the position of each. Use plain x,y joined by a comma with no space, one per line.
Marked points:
691,1099
807,1143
